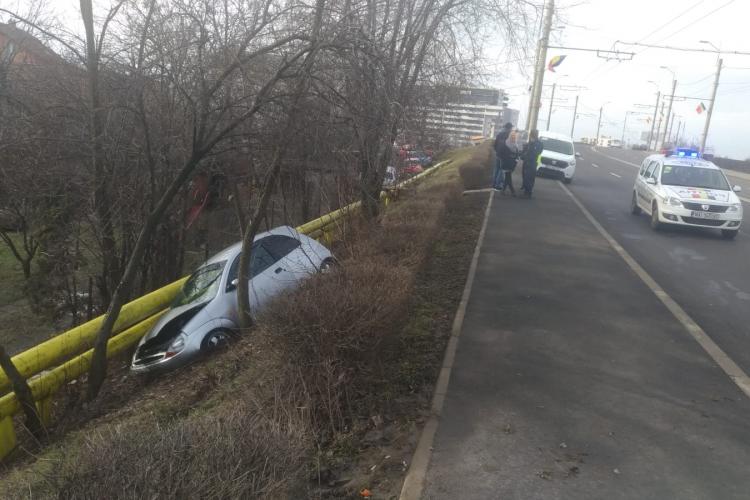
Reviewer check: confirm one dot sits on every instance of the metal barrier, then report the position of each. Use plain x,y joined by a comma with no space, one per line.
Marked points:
47,366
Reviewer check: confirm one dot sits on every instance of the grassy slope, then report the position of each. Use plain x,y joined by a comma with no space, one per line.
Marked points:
207,392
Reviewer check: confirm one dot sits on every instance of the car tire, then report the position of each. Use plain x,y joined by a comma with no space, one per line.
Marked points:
328,265
634,208
728,234
655,223
216,340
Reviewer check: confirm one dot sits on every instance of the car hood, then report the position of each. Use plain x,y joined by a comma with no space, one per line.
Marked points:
701,194
174,313
554,155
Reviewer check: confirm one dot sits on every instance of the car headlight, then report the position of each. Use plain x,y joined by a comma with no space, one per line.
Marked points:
737,207
177,344
671,200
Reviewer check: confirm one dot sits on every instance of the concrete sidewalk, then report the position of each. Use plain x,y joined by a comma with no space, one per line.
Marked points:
571,380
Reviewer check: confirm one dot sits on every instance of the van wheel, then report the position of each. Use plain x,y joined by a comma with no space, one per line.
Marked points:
216,340
728,234
655,224
634,208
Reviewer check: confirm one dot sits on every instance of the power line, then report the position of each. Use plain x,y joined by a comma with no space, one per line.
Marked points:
673,19
702,17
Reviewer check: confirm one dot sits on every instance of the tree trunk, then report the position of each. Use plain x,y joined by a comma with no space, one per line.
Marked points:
23,393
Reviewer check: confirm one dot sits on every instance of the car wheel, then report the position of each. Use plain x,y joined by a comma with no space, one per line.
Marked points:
728,234
634,208
328,265
655,224
215,340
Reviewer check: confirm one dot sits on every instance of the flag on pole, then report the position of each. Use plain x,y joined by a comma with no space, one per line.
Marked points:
555,62
701,108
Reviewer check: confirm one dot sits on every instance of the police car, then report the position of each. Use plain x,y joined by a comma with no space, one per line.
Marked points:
681,188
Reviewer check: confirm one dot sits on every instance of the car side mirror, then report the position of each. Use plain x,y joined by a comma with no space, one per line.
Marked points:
650,180
737,189
233,285
578,155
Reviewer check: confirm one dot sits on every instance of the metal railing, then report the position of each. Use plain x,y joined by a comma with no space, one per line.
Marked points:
65,357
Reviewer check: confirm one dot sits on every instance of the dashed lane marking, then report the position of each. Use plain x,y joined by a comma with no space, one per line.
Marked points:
721,358
595,165
615,175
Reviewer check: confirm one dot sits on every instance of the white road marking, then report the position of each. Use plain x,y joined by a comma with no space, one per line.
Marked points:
414,481
595,165
618,176
721,358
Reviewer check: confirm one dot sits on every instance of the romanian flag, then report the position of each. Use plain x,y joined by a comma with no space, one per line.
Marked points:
555,62
701,108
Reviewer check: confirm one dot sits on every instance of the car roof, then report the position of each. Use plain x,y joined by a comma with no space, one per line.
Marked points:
232,250
681,161
555,135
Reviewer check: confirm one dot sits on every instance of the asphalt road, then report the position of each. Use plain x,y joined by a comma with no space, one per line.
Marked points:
571,379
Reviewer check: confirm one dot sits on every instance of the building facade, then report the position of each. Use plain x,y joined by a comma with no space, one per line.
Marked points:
466,114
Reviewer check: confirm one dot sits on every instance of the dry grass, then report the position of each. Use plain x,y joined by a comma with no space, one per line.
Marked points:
250,422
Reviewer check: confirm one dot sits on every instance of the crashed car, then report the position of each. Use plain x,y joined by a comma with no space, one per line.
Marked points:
204,314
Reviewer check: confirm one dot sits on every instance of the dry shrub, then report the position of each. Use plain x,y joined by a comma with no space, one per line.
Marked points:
474,173
234,451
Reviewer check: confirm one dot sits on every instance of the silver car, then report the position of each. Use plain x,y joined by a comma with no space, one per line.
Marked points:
204,314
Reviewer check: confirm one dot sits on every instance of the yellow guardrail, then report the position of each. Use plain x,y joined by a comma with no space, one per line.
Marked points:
65,357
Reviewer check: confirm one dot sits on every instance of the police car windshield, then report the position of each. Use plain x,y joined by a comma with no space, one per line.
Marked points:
557,145
683,175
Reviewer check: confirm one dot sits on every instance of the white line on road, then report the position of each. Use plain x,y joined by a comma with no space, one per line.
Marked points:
618,176
414,481
595,165
714,351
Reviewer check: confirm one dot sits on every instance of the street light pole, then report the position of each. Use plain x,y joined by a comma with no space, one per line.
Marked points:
551,104
669,109
624,124
536,97
671,126
599,124
653,122
711,106
658,127
575,111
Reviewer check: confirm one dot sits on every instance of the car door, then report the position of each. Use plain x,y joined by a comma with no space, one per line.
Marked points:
650,191
639,180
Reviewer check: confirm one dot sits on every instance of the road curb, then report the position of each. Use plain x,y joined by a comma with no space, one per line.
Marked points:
415,477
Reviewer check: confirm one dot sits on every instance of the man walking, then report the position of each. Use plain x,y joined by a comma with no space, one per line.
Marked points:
530,157
504,157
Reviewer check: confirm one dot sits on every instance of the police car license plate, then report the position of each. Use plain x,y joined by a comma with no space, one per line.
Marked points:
704,215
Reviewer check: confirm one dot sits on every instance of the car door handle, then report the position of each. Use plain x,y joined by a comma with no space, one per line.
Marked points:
278,270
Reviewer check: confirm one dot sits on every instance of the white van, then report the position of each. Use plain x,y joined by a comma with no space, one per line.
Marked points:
558,157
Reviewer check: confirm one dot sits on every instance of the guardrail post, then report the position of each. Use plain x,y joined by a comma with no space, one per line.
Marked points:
7,436
44,410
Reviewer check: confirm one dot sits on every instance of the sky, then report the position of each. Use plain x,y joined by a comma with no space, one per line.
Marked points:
618,86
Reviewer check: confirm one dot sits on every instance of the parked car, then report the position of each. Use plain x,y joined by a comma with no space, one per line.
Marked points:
413,168
204,314
558,157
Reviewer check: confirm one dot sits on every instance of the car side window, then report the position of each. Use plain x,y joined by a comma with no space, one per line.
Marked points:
261,260
650,170
279,245
644,166
655,173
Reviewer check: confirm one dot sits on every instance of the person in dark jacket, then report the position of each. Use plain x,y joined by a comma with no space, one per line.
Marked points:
503,157
530,157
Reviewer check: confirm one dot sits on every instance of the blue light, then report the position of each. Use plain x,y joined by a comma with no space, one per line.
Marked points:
685,153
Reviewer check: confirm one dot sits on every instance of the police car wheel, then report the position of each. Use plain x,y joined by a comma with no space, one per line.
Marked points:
634,208
655,224
728,234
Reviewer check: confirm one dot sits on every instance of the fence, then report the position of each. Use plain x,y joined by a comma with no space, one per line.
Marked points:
65,357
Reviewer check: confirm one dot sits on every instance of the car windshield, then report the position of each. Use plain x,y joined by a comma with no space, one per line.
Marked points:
683,175
557,145
201,285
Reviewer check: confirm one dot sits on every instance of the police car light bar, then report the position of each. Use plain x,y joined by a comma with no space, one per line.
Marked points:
684,153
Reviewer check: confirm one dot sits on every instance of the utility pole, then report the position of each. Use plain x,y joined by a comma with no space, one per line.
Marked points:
541,59
624,124
533,80
711,106
599,125
658,127
669,111
575,111
653,122
551,103
671,125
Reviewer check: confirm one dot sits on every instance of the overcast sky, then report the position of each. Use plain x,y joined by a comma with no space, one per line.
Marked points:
598,24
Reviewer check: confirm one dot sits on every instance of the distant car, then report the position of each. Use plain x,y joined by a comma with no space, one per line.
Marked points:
683,189
413,168
204,314
639,147
419,157
558,157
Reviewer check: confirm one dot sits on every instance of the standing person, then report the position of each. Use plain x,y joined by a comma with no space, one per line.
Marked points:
509,165
530,157
503,156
